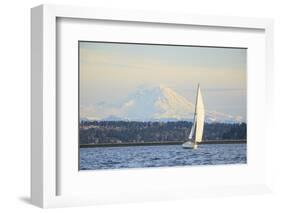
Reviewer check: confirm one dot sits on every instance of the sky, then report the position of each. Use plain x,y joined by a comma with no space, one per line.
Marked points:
109,72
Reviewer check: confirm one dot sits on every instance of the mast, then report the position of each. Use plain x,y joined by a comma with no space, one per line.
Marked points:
198,87
195,112
193,128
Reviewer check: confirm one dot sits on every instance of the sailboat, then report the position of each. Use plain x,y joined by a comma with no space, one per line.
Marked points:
196,132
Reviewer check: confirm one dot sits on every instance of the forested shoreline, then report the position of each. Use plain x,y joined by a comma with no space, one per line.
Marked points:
116,132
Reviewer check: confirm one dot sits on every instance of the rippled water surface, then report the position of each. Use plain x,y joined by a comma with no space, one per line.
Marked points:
161,156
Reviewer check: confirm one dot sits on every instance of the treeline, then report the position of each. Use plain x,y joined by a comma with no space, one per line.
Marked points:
95,132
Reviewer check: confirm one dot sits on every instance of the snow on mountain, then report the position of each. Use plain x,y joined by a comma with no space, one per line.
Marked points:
158,103
213,116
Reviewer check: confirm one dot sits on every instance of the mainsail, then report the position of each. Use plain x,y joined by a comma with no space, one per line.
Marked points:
196,132
199,117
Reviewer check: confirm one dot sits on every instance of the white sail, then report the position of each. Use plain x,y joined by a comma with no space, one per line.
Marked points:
200,116
192,129
196,132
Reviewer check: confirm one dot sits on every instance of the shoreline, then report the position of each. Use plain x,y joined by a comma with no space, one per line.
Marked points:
244,141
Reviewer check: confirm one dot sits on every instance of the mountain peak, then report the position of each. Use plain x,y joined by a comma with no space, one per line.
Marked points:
156,103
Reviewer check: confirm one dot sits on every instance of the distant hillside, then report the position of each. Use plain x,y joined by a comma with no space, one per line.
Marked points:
95,132
158,103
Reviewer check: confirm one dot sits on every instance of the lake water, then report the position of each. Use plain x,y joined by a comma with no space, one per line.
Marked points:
161,156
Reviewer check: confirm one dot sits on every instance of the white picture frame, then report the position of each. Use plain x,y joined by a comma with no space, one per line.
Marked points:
45,165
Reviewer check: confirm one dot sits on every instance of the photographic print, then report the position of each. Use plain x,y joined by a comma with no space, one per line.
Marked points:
158,105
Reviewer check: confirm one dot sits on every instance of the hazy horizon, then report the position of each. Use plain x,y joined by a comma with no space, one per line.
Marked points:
111,72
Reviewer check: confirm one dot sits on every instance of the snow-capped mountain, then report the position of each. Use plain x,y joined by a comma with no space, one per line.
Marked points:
158,103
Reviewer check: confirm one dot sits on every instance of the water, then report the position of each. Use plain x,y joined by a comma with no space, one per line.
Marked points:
161,156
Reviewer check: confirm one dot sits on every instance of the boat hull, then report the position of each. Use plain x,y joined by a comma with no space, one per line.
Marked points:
189,145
